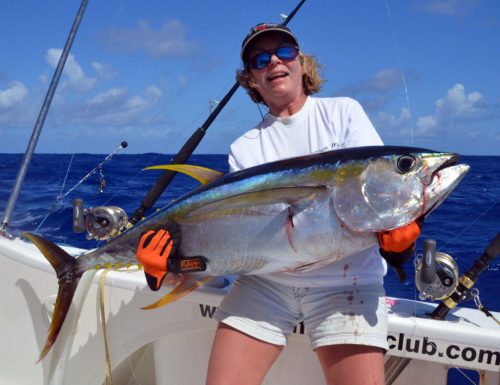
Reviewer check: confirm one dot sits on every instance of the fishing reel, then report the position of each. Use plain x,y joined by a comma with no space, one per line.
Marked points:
436,273
100,223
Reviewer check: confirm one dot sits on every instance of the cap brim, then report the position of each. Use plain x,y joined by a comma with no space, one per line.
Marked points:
259,34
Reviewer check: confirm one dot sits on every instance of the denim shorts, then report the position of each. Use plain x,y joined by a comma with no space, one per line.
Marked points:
269,311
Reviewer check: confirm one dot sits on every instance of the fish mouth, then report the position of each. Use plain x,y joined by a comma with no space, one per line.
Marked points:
451,161
443,181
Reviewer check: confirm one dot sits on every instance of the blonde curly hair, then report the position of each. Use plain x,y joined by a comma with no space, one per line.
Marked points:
311,79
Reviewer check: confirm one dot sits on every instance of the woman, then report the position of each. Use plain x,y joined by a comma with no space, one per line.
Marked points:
342,304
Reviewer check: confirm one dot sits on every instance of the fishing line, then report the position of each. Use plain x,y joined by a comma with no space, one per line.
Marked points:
163,151
95,169
478,217
452,364
66,176
61,196
59,199
403,76
119,321
101,292
475,297
465,375
230,52
405,87
176,98
408,104
458,235
263,116
107,366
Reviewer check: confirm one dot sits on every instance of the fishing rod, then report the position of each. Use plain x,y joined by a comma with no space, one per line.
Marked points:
189,147
23,169
78,210
464,289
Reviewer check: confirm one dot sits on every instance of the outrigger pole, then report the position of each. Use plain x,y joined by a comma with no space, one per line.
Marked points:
189,147
21,174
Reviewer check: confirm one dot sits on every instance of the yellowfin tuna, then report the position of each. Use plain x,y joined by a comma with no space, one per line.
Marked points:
292,215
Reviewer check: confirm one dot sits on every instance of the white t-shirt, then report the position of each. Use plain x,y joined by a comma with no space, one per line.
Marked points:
323,124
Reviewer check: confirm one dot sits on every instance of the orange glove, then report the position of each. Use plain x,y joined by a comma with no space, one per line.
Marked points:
397,246
155,247
399,239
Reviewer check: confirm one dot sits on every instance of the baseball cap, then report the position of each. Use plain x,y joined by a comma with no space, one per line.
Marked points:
261,29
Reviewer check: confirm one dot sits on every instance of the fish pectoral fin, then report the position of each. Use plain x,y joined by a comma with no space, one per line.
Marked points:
188,284
203,175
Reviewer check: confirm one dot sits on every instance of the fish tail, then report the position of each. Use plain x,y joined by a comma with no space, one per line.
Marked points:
68,274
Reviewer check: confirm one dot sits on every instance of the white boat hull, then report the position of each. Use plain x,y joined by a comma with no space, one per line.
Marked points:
171,345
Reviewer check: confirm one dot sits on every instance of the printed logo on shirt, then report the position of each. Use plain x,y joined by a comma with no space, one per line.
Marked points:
330,147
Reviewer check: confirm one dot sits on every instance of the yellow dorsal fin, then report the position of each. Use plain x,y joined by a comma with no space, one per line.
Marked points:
203,175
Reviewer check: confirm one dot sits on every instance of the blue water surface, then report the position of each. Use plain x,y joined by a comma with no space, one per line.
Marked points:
462,226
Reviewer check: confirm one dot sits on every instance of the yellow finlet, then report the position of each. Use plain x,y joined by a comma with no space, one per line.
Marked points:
203,175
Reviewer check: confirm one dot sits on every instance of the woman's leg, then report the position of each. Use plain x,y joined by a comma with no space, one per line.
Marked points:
238,358
352,364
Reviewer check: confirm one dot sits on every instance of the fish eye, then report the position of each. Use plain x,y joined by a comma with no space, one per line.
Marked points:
406,163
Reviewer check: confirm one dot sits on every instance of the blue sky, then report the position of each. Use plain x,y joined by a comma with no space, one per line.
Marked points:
426,72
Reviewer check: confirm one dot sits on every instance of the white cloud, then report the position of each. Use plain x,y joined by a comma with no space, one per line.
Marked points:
427,126
76,77
458,113
116,107
452,111
108,97
15,108
13,95
182,81
103,70
385,80
170,40
78,102
448,7
374,93
142,102
397,125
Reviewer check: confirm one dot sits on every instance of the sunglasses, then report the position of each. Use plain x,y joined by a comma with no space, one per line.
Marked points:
262,59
